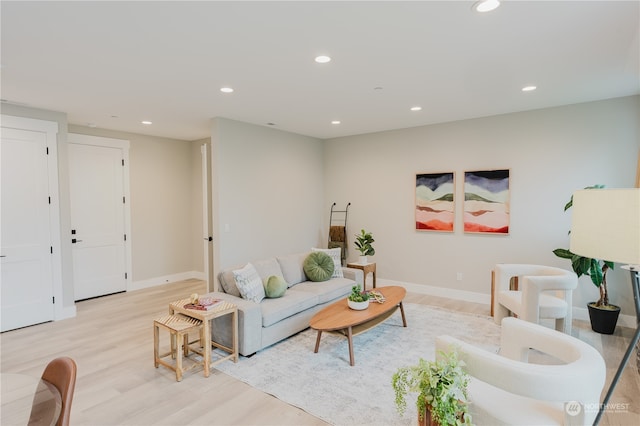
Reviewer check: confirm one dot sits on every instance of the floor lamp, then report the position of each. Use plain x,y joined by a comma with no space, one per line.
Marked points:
605,224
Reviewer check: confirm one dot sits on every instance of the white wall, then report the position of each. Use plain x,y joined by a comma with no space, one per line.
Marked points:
267,192
550,153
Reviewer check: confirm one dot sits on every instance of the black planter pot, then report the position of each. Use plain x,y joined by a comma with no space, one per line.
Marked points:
603,321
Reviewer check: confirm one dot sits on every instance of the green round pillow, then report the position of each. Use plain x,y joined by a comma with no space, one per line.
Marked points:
275,287
318,266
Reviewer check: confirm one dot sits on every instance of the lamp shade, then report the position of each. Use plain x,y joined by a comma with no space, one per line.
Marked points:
605,224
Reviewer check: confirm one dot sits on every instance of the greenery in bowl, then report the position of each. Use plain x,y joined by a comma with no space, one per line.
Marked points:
363,243
596,269
441,386
357,295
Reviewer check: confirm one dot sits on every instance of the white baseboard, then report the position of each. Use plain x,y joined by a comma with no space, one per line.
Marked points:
470,296
65,312
139,285
467,296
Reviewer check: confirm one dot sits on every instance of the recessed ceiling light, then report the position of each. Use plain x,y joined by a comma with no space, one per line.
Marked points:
416,108
146,122
486,5
529,88
322,59
335,122
226,89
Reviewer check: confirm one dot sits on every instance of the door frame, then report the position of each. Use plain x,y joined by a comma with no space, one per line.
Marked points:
123,145
50,129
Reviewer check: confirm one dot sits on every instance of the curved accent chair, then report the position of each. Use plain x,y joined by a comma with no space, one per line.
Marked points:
543,292
506,389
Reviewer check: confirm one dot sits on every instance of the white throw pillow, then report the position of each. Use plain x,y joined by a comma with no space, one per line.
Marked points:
334,253
249,283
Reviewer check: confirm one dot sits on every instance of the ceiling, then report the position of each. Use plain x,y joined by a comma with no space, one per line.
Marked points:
114,64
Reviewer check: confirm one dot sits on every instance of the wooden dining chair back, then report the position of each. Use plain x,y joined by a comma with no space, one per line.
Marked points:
61,373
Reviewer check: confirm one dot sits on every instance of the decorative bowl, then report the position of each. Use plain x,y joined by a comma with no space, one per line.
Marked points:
358,306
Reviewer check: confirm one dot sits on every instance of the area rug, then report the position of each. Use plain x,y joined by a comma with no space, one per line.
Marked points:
326,386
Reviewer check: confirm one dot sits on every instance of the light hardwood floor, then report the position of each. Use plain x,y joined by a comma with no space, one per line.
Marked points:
111,340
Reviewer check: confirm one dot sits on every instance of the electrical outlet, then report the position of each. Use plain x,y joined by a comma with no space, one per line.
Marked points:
459,276
227,227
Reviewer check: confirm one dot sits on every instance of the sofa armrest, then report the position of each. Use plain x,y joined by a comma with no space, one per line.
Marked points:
354,274
249,324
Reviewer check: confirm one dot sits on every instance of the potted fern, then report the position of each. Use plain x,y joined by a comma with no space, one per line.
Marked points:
363,245
442,390
602,314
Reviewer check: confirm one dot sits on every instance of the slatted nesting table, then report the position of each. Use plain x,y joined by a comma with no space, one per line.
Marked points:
224,308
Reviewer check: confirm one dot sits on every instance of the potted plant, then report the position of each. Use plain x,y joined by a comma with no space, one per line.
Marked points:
602,314
358,300
442,390
363,245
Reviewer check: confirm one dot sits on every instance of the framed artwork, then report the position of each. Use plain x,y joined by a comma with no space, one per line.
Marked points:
435,201
486,201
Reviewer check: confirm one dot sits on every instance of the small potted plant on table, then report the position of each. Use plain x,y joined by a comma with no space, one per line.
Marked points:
358,300
363,245
442,390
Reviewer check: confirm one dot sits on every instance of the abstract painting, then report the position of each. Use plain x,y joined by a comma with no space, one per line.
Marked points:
486,201
434,202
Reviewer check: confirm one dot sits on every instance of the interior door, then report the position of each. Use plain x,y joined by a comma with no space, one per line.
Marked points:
25,234
96,180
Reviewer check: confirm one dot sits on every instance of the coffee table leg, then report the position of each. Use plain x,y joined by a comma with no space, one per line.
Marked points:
404,319
318,342
350,338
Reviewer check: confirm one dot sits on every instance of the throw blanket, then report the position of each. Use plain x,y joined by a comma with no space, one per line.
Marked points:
338,238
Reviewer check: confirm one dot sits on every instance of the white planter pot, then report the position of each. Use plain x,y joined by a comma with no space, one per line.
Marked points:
358,306
362,260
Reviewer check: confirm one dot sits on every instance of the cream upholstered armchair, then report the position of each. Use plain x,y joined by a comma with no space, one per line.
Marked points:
505,389
543,292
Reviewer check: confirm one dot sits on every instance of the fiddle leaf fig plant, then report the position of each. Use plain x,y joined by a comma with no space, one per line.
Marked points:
363,243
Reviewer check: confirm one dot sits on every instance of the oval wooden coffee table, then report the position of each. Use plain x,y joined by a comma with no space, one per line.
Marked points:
339,317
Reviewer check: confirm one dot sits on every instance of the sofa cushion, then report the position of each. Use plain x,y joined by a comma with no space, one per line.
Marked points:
328,290
293,302
335,256
318,266
267,268
228,283
274,287
249,283
291,266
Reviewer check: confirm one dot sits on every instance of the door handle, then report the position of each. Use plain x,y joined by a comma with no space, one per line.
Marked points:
208,238
73,241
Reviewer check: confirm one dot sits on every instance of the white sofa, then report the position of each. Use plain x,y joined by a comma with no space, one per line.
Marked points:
271,320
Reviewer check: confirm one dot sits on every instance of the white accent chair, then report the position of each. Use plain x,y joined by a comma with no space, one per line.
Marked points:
505,389
543,292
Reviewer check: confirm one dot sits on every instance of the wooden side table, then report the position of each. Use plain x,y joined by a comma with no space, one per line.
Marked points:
366,268
224,308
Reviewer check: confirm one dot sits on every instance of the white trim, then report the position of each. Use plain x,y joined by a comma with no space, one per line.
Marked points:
123,145
467,296
152,282
50,129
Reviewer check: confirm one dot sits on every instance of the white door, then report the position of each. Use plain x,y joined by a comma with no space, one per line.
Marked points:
25,234
96,181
